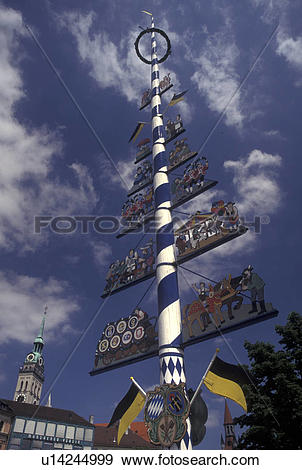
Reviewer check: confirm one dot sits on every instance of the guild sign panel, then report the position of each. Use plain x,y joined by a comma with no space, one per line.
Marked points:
232,303
126,340
137,266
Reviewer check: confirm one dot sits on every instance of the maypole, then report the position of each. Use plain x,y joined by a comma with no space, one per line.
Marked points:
169,416
171,355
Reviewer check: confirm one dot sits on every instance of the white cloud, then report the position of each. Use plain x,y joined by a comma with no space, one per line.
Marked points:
290,49
216,77
116,65
255,179
110,65
214,419
102,252
272,133
29,155
272,10
22,300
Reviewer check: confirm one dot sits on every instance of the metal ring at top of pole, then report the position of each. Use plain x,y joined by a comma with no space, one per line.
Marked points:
153,30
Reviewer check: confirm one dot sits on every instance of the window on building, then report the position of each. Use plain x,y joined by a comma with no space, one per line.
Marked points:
15,443
79,434
77,446
1,425
58,445
37,444
40,428
47,445
88,435
26,444
70,432
19,425
60,432
26,384
50,429
30,427
21,385
20,398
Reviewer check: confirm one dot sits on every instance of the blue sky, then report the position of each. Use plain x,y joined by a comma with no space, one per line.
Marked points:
52,165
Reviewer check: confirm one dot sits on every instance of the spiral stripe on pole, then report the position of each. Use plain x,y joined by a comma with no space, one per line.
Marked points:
171,355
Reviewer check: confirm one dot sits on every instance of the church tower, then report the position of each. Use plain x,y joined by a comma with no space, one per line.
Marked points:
31,374
230,441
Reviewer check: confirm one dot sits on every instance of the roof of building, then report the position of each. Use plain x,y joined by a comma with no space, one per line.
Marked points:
227,415
140,429
44,412
107,437
4,408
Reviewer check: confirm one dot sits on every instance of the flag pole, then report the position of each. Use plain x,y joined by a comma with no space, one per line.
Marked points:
204,376
138,386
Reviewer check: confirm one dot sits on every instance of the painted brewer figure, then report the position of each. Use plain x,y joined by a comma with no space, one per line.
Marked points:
252,282
202,291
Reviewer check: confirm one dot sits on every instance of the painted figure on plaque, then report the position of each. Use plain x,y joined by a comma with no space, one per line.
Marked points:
252,282
143,174
227,215
143,149
173,128
222,305
203,229
179,153
165,82
192,180
138,263
146,97
202,291
214,304
136,208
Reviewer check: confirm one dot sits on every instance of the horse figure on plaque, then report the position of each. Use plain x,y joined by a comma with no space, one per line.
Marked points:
222,305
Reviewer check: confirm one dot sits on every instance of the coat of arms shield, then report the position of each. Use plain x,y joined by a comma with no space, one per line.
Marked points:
166,411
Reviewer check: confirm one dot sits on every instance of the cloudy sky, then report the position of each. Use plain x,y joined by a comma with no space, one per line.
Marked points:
241,111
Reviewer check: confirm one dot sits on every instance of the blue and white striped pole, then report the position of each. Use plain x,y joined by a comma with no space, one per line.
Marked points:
171,356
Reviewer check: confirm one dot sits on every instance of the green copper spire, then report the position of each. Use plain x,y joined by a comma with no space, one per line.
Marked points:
39,343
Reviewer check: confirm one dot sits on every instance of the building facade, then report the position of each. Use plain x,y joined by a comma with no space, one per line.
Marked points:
47,428
229,442
6,416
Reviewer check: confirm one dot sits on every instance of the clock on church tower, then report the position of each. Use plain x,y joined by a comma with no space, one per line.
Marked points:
31,373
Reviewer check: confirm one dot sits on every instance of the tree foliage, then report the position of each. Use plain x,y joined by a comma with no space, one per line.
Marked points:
274,418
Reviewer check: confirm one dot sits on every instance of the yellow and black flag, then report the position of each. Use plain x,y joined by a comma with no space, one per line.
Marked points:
137,131
177,98
127,410
227,380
